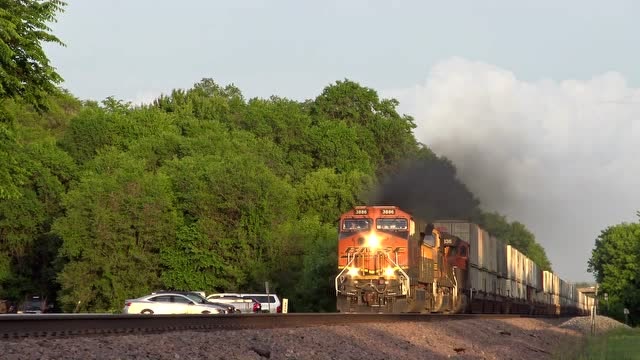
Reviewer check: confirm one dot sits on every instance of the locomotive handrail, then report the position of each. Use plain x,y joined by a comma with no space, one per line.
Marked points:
406,277
345,268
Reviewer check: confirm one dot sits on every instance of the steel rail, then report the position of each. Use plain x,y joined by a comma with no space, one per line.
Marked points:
61,325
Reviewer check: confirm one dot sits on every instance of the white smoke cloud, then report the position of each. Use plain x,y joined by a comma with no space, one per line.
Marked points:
563,157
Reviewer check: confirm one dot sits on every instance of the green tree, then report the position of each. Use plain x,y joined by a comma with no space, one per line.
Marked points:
335,145
113,123
26,245
206,101
615,262
25,71
305,269
195,261
326,194
288,125
118,218
12,174
237,205
384,134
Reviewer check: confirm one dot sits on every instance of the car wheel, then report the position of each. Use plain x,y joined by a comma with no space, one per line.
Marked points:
147,312
206,312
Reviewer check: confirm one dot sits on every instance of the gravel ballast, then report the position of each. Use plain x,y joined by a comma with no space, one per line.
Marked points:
518,338
602,324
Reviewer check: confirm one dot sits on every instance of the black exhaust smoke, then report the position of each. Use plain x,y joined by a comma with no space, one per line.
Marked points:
428,188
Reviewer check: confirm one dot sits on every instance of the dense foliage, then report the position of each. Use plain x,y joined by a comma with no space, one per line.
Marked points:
615,262
204,190
200,190
25,74
25,71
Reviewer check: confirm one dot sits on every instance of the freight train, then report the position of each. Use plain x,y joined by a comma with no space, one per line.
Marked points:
391,262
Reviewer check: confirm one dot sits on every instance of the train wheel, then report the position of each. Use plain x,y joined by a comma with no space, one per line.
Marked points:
461,303
438,301
400,306
343,304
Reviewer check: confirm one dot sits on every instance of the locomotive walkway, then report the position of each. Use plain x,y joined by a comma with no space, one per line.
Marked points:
67,325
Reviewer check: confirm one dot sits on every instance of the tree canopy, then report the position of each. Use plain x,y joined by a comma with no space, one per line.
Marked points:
615,263
25,71
25,75
201,190
204,189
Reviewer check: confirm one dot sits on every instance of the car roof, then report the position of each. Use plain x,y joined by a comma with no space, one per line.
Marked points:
253,295
168,292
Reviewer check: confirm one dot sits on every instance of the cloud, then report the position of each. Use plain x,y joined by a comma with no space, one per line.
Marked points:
563,157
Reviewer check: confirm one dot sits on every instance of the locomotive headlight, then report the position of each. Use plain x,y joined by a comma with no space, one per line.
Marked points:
389,272
354,271
373,241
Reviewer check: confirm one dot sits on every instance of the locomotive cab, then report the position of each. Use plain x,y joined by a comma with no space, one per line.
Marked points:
373,258
455,250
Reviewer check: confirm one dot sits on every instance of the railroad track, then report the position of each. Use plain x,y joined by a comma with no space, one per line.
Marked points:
61,325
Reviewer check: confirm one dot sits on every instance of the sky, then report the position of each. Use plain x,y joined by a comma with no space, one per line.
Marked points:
533,101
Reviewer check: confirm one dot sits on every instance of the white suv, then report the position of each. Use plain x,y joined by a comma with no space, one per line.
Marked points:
269,303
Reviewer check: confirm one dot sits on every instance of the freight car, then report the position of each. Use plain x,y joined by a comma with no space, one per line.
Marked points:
391,262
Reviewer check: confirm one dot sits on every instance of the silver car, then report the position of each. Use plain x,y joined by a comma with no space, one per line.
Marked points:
166,302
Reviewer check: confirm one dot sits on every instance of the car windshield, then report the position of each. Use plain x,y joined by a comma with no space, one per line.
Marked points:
32,305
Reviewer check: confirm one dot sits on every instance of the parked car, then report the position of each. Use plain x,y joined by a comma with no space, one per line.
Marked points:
229,309
268,303
34,304
166,302
242,304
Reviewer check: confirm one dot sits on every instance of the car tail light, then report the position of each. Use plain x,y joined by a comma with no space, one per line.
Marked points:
279,309
127,304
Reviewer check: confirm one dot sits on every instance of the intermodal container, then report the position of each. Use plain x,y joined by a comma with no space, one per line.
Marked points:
501,250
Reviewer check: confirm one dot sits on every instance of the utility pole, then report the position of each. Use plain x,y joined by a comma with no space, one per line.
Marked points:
594,313
626,316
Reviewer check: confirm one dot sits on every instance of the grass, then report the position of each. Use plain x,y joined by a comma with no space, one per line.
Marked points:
619,344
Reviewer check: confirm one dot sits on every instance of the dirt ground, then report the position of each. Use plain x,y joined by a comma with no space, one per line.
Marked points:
456,339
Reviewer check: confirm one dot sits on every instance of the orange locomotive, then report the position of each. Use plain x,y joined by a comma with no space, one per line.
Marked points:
390,262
